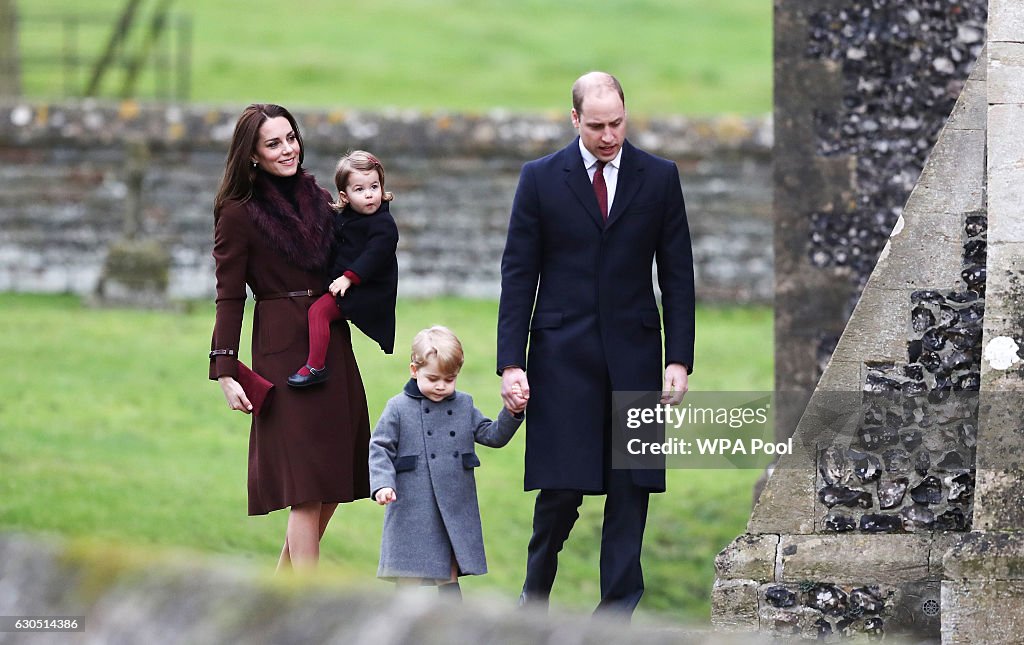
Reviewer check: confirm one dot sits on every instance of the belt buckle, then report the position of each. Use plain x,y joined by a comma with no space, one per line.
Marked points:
309,292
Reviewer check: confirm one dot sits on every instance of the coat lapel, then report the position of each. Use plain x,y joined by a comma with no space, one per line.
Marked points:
631,178
579,182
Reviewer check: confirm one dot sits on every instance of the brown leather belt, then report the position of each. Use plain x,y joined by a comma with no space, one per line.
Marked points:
308,293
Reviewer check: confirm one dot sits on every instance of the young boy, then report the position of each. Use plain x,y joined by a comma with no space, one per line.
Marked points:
422,459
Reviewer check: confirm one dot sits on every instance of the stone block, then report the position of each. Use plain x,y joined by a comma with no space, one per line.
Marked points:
989,611
135,273
1000,451
1003,353
997,504
797,623
924,251
984,555
786,504
889,559
1005,173
1006,72
953,179
1005,21
877,328
734,605
1005,261
750,557
971,109
941,544
980,70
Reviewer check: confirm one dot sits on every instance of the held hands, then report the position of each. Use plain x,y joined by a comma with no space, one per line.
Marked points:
385,496
515,389
340,286
234,394
677,382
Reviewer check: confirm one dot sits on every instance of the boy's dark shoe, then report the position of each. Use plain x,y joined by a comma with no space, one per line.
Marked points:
450,591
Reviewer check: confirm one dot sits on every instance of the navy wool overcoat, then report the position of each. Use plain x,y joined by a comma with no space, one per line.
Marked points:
578,310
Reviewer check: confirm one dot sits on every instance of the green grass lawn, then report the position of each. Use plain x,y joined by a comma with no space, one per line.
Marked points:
110,430
673,56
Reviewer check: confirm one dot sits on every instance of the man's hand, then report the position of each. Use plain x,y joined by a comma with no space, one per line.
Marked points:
677,382
515,389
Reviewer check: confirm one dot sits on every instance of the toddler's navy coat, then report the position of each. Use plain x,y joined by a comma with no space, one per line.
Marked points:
365,245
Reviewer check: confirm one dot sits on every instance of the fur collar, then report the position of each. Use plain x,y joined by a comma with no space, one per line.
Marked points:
303,236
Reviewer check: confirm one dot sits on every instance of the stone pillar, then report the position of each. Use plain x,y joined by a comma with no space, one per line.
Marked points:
862,88
983,590
849,532
135,272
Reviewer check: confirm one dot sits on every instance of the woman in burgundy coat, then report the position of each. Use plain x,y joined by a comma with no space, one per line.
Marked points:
272,231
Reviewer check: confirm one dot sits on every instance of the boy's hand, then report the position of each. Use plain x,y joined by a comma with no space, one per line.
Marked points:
340,286
517,395
385,496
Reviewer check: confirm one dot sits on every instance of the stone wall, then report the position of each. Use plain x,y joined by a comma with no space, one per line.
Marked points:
125,595
850,532
63,190
903,510
862,88
983,585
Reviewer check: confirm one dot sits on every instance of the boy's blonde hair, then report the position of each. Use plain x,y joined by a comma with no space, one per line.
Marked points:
358,160
441,343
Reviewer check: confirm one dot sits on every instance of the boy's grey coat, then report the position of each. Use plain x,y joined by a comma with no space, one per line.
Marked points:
425,451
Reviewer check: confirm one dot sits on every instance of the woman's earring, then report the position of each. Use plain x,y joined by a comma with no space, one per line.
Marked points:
254,164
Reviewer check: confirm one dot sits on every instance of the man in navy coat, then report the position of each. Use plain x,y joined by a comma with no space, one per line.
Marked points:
576,284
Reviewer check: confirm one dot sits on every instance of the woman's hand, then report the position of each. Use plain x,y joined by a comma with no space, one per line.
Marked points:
234,394
385,496
340,286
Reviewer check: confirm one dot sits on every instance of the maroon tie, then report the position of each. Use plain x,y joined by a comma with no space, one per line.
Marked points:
601,190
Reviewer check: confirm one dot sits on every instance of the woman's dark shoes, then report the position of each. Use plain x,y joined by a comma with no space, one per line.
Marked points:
315,376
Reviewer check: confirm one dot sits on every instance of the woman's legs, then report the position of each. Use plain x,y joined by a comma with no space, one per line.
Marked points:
301,549
321,314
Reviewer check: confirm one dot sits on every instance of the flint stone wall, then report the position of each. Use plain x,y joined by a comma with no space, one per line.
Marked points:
63,190
862,89
885,484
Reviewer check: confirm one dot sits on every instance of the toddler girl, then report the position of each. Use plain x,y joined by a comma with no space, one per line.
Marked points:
363,262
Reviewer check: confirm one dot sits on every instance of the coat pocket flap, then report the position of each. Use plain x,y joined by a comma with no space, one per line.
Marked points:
650,319
546,320
403,464
470,460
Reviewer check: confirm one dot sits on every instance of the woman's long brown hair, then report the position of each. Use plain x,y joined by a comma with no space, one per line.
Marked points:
239,173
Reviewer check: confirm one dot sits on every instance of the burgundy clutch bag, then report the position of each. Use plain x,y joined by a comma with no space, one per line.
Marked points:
257,389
